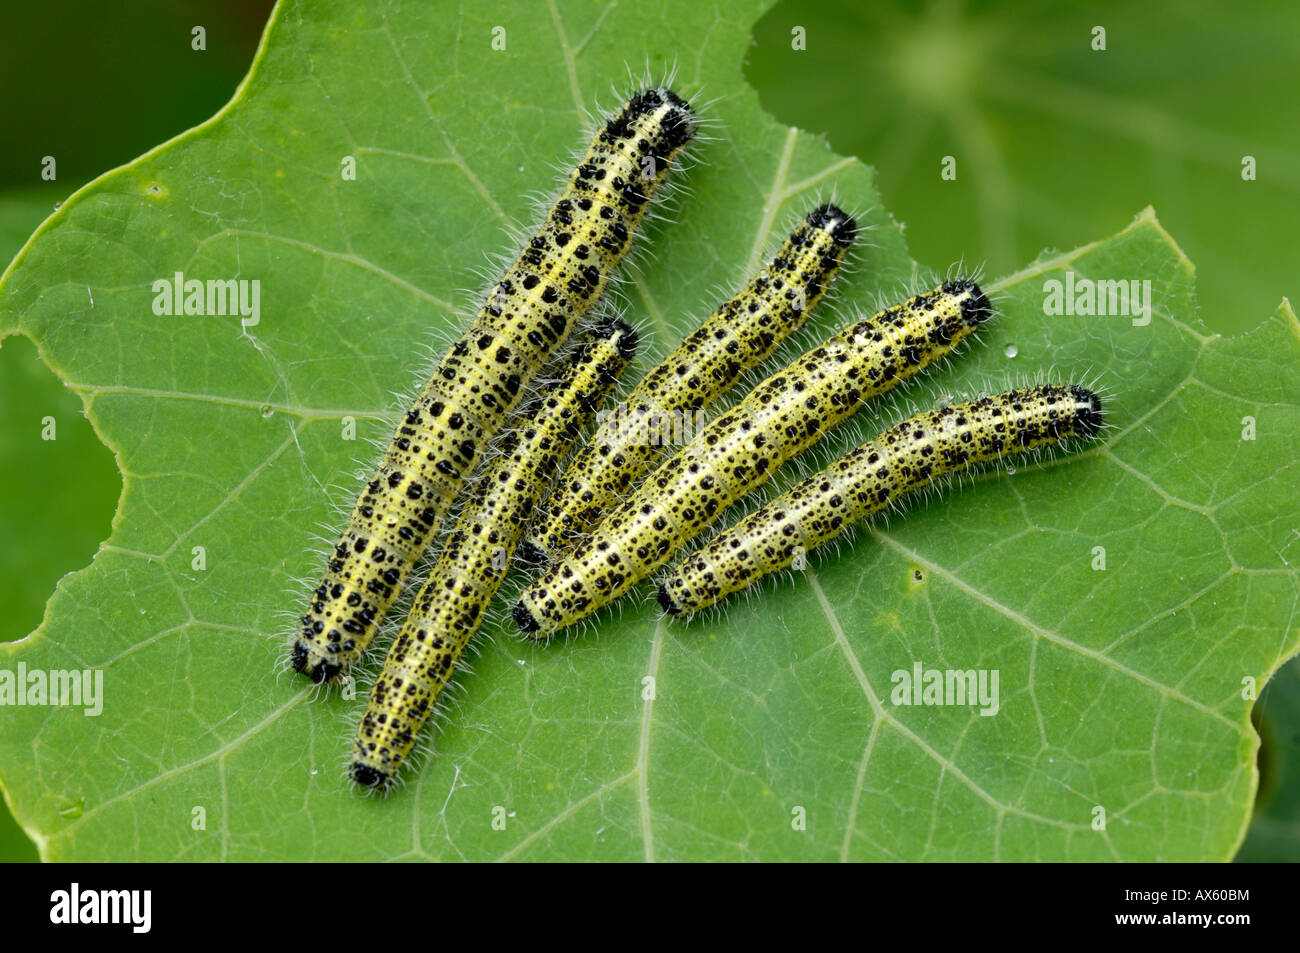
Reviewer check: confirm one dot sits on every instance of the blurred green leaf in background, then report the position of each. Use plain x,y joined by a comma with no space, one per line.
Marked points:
1055,140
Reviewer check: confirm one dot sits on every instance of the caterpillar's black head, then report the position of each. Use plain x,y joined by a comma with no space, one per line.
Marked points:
628,341
369,776
838,222
975,306
524,619
1090,417
666,601
323,671
530,555
679,123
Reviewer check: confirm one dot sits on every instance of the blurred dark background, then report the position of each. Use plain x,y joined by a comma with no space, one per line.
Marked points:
1056,144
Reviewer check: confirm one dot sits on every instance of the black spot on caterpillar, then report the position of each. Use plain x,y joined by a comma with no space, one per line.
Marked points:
737,453
451,606
738,336
910,455
559,276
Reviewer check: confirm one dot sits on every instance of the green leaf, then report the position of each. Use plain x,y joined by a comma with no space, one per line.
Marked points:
1056,138
68,486
1120,689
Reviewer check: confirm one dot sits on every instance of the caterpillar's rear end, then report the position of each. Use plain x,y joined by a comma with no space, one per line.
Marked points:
451,606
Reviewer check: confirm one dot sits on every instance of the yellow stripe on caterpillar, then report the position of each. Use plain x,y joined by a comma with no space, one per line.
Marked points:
910,455
531,311
738,452
739,335
450,608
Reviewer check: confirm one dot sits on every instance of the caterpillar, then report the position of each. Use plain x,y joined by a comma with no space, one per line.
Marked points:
908,456
739,335
450,607
779,418
559,276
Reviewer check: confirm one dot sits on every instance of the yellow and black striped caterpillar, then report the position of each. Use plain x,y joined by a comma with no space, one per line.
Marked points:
737,453
907,456
739,335
450,607
530,312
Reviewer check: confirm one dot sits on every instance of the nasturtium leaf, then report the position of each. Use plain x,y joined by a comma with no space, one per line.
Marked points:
764,731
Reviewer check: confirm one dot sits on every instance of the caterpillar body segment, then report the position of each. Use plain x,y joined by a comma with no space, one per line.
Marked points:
915,453
559,276
739,335
738,452
450,607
